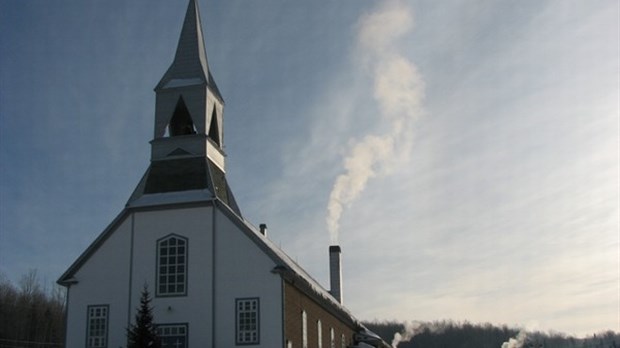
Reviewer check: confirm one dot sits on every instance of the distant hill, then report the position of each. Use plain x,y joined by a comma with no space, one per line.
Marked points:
449,334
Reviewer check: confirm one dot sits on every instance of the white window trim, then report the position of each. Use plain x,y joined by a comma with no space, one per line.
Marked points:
319,334
158,277
92,318
241,312
304,329
184,326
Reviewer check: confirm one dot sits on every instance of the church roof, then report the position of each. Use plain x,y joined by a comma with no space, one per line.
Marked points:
189,174
292,271
190,65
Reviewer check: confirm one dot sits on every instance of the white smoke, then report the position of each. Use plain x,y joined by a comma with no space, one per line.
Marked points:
399,91
414,328
517,342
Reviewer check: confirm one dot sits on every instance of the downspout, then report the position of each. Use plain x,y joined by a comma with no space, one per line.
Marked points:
131,247
213,265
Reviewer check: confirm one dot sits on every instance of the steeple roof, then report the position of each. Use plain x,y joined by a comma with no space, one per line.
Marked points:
187,156
190,65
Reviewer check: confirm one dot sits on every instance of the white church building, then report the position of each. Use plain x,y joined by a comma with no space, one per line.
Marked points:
215,279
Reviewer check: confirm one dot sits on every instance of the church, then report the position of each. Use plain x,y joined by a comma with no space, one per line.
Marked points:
215,279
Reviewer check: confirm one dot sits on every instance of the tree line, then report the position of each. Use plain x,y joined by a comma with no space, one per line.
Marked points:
442,334
31,315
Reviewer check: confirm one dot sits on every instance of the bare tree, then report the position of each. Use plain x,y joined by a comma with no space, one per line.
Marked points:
30,316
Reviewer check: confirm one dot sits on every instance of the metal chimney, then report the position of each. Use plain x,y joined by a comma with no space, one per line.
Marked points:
335,272
263,229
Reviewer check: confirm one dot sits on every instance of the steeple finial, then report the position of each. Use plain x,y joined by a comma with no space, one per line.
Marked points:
190,65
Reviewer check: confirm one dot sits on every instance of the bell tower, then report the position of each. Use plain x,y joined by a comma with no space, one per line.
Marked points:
187,148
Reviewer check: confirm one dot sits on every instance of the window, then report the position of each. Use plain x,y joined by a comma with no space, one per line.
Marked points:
304,329
332,338
343,341
97,330
319,333
172,266
247,321
173,335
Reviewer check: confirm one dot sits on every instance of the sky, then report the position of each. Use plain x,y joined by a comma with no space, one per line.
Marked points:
464,154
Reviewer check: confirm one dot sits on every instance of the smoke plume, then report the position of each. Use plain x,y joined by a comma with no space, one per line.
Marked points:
412,329
398,90
517,342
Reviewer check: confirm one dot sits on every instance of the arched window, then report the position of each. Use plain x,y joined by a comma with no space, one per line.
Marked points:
172,266
304,329
319,334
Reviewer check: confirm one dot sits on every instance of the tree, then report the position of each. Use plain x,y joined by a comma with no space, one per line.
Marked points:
143,334
31,314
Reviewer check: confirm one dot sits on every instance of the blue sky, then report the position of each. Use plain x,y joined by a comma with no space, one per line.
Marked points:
469,149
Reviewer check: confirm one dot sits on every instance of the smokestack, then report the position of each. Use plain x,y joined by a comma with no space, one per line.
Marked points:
335,272
263,229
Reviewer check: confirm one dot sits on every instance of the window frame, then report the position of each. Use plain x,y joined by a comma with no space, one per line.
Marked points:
238,311
158,265
169,325
304,329
319,333
105,324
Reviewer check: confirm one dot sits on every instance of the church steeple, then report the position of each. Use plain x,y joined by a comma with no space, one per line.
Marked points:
187,147
189,80
190,61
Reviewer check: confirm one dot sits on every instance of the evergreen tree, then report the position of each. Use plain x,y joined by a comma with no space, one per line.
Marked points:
143,333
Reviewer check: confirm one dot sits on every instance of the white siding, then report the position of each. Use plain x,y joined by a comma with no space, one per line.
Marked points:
103,279
195,308
239,268
244,270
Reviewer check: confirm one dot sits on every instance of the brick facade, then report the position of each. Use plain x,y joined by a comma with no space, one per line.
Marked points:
295,302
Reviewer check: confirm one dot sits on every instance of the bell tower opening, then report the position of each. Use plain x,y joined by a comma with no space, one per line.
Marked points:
214,131
181,122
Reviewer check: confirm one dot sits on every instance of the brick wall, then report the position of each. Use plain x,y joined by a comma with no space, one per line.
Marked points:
295,302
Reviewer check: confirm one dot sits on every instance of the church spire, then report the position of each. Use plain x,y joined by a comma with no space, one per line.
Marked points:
188,87
187,150
190,65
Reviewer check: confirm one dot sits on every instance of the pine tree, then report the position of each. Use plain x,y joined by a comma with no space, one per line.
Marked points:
143,334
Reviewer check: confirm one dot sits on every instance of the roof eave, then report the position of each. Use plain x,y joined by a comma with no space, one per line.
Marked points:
67,278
